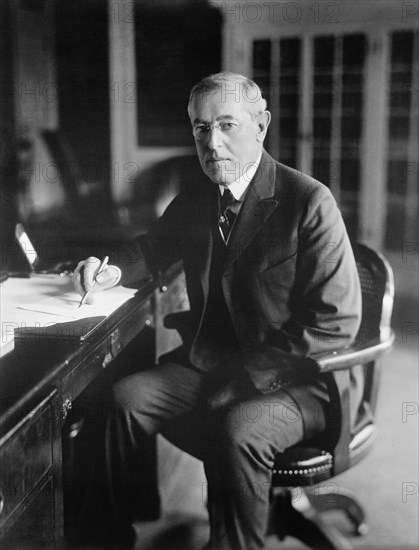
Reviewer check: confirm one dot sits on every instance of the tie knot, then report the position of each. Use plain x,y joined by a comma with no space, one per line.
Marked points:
226,215
226,200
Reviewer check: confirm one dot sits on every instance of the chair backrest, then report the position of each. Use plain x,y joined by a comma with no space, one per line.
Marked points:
377,286
347,442
342,444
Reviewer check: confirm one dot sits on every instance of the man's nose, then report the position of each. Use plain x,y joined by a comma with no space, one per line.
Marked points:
214,138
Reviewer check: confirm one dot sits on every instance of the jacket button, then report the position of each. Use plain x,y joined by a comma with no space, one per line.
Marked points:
273,385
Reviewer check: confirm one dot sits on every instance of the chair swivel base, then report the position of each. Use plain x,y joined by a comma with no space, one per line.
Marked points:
343,500
299,515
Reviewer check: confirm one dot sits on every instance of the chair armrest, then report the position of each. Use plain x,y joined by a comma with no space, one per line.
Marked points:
353,355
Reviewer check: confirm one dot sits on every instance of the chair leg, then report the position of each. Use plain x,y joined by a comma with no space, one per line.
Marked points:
342,500
303,522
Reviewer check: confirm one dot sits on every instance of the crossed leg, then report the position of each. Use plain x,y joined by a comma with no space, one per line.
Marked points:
237,444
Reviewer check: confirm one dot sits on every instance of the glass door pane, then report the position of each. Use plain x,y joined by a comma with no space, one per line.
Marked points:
402,150
333,99
337,119
324,96
351,127
276,69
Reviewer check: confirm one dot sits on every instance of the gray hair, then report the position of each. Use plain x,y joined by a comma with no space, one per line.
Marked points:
230,84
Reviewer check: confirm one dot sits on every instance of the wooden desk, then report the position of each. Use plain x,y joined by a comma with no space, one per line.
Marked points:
39,384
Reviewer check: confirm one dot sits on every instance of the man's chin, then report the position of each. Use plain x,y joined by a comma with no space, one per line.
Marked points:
220,174
216,178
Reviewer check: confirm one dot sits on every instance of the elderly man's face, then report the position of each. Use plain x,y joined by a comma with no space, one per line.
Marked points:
227,139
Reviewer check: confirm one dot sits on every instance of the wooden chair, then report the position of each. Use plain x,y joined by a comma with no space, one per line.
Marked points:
296,511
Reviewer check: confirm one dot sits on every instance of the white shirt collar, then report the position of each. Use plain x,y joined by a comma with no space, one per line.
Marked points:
239,186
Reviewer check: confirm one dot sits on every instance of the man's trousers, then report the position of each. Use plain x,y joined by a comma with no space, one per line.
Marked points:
237,444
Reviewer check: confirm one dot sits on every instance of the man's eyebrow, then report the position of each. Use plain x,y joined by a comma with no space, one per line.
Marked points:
221,117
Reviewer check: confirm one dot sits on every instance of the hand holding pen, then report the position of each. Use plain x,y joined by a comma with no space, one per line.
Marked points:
101,267
93,275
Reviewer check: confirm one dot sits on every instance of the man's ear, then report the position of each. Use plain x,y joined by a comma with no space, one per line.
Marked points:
262,125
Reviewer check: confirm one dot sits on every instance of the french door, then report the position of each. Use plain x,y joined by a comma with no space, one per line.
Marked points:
345,110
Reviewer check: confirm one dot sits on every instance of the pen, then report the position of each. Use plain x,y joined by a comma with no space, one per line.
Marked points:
100,269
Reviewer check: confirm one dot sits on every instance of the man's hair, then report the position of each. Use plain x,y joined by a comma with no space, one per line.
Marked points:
230,84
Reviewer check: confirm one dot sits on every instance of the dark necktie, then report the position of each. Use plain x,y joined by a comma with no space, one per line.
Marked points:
226,216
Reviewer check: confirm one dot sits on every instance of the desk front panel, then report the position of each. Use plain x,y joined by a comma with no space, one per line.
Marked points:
33,414
26,458
102,349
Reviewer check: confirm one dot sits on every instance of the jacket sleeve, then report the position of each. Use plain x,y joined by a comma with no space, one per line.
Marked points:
326,298
155,251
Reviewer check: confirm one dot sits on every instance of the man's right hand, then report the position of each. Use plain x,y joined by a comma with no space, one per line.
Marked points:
85,279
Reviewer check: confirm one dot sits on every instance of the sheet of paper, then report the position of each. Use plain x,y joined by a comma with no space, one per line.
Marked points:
66,304
43,301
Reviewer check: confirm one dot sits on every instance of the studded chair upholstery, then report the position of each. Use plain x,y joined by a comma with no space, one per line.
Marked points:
296,511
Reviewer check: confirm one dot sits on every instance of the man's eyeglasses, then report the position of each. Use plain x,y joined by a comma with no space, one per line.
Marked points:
201,131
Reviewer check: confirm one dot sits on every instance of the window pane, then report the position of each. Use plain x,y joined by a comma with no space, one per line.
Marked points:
350,174
402,152
397,172
321,168
351,127
324,52
324,94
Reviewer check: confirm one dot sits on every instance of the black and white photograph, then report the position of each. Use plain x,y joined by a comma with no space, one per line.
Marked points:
209,274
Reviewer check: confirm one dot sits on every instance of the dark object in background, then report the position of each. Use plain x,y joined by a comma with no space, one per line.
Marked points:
15,171
176,46
89,201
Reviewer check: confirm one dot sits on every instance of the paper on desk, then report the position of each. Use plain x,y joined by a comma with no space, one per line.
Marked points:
66,304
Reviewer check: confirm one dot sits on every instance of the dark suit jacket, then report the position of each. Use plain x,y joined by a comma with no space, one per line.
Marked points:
290,282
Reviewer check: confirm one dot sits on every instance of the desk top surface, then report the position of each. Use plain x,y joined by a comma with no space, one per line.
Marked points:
27,371
41,302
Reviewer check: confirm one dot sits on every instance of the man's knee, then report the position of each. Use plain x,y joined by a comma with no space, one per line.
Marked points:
241,425
126,396
135,401
128,406
269,427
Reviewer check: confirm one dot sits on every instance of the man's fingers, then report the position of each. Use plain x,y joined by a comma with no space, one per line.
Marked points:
84,273
108,277
87,278
89,272
77,277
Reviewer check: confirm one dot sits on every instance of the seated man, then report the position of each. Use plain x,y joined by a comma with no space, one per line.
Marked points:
271,279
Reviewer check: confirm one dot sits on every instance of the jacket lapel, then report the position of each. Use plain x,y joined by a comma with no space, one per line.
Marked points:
257,206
